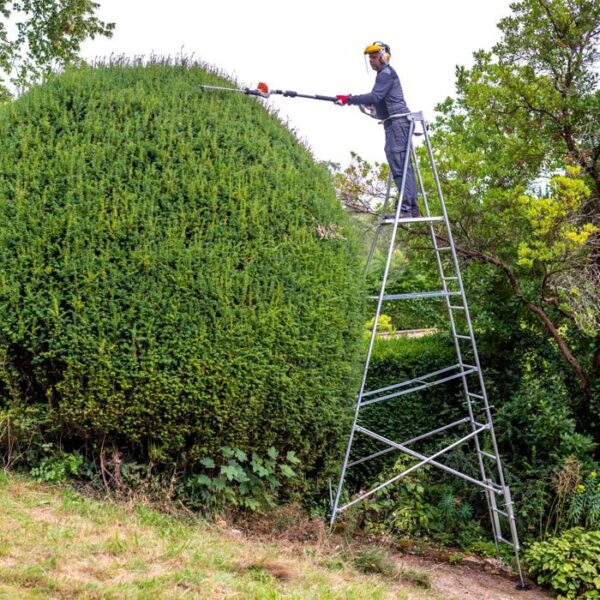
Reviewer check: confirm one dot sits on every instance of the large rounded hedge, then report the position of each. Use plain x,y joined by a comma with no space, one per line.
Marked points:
176,273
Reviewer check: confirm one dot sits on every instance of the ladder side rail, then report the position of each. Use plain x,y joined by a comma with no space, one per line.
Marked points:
378,228
440,266
482,467
486,404
466,308
480,461
374,330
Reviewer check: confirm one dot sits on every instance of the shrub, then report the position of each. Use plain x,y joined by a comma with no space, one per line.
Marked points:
537,433
164,282
568,564
56,466
584,505
238,480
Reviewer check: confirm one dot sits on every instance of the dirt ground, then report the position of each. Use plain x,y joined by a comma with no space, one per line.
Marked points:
472,579
463,582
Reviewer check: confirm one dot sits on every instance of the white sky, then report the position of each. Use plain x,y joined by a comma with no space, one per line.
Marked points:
314,47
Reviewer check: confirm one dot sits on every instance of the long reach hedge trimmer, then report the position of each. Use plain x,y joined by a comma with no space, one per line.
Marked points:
263,91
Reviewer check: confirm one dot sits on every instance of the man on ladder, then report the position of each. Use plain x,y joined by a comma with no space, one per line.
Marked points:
390,107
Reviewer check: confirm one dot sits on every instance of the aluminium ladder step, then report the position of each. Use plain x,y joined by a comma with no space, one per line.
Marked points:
391,220
415,295
488,455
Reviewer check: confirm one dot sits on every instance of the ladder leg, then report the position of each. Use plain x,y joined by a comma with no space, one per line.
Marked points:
478,408
378,229
368,359
453,327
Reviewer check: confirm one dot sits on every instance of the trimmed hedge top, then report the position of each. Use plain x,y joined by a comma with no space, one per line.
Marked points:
176,273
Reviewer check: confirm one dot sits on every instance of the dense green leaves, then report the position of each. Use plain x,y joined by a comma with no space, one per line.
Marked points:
568,564
163,281
525,113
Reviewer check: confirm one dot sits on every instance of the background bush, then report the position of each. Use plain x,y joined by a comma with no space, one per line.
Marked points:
568,563
176,274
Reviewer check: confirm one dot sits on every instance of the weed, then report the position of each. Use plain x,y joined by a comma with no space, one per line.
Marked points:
374,560
417,578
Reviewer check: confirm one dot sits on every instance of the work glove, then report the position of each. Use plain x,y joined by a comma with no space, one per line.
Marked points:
341,100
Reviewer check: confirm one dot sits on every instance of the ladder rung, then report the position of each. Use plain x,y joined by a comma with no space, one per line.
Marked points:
409,390
454,307
501,539
463,337
413,220
450,278
444,248
415,295
487,455
478,396
500,512
470,366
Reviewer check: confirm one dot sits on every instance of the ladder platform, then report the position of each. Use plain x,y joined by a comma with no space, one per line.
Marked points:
415,295
391,220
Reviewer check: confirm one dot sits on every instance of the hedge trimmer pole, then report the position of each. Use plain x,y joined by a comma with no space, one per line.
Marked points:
262,90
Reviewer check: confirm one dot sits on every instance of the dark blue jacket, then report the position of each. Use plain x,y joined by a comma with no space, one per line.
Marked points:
386,95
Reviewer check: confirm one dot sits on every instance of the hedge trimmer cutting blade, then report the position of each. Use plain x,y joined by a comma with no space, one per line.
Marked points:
248,91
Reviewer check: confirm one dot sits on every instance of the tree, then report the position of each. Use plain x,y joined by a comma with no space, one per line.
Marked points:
48,35
524,112
518,152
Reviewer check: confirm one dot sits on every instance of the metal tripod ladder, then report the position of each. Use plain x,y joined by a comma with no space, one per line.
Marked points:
478,419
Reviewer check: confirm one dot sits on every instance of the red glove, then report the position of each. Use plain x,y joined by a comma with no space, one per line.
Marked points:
341,100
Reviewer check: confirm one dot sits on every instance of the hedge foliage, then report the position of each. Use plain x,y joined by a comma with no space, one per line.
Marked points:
176,273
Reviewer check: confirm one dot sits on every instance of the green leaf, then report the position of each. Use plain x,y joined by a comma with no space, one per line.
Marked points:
292,458
227,452
203,480
241,455
287,471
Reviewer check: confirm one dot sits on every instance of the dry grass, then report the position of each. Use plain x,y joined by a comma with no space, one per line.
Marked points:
55,543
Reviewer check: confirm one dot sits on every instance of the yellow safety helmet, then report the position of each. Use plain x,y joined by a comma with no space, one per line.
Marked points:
381,48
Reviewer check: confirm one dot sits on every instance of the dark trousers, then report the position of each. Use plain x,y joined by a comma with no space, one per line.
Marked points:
396,140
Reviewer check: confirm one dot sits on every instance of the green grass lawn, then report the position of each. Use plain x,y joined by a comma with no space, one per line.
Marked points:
57,543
